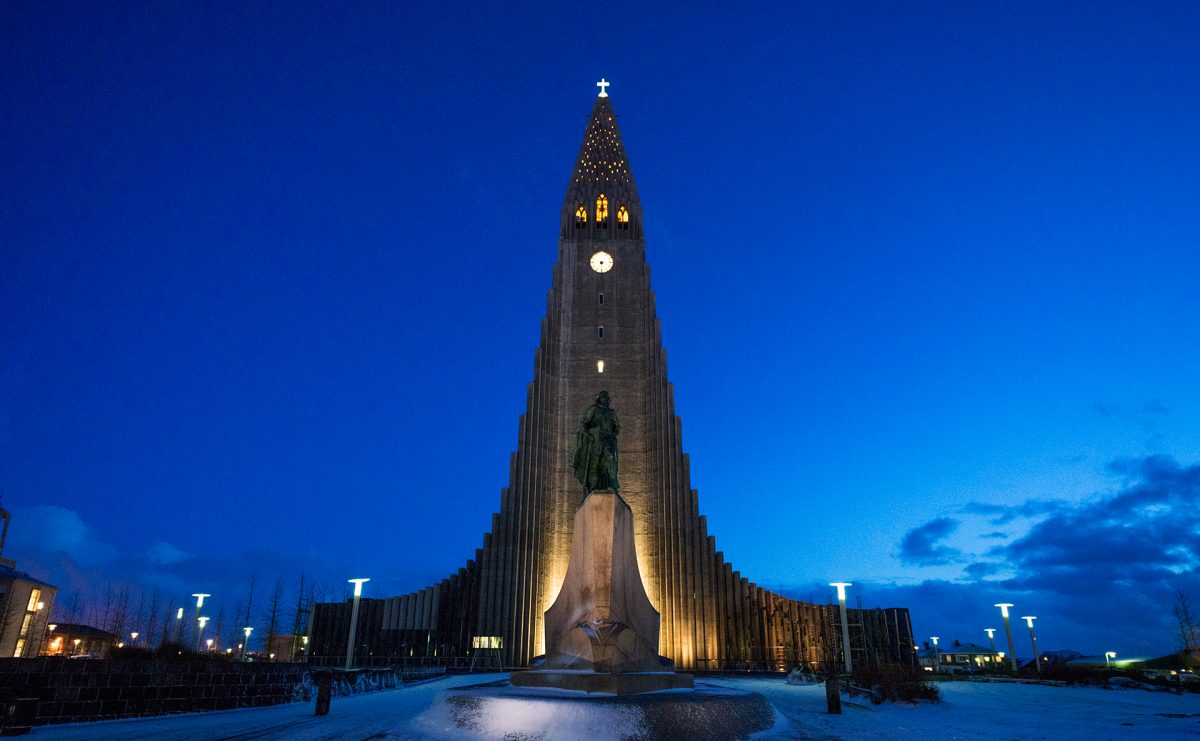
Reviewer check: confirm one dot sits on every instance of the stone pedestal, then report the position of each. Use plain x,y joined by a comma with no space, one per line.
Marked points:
602,629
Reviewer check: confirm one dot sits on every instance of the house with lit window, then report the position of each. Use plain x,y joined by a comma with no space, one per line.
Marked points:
963,657
25,604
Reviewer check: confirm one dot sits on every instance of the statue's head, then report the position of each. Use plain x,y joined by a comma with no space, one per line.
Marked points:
602,399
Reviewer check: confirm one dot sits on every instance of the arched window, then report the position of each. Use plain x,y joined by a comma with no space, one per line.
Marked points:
622,218
601,211
581,216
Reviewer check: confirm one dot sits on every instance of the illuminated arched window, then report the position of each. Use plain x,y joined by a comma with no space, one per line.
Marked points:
602,211
622,218
581,216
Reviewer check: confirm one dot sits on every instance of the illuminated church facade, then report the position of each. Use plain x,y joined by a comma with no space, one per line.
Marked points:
601,332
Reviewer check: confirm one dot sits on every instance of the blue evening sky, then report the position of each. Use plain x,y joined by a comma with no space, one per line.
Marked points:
271,278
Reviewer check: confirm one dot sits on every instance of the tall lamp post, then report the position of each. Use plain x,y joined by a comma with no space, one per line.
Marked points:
841,591
992,639
200,633
1037,660
178,627
353,620
937,662
246,643
1109,656
199,603
1012,656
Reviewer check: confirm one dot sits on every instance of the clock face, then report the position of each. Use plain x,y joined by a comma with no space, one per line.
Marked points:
602,262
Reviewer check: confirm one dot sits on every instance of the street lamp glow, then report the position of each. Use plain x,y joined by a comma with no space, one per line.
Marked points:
841,587
246,646
353,621
1110,656
52,627
200,599
990,631
179,614
841,592
934,639
209,643
1037,659
1008,634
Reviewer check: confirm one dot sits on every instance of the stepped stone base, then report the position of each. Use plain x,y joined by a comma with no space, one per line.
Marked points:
628,683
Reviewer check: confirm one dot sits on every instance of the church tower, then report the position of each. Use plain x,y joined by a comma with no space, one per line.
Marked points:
601,332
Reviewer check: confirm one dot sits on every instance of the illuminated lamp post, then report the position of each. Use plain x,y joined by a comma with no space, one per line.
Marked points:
1012,656
1037,660
77,641
841,591
1110,656
200,633
199,603
246,645
937,661
353,620
209,643
133,637
992,639
179,626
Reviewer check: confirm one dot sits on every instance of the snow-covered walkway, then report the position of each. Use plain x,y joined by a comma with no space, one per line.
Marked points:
968,711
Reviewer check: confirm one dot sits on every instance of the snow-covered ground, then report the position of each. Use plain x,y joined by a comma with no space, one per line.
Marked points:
968,710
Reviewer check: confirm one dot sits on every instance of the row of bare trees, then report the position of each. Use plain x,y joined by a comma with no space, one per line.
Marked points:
124,609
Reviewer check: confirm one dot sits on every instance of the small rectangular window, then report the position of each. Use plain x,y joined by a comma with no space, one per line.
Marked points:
599,366
600,331
602,298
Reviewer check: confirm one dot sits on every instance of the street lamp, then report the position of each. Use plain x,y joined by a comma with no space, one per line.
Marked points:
992,639
1110,656
178,627
353,620
209,643
246,646
77,641
199,603
936,660
133,636
200,634
1037,660
1012,655
841,591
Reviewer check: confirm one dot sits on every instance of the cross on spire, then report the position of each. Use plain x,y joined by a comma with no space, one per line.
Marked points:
603,84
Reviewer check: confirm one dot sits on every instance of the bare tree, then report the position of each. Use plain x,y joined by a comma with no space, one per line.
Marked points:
273,615
220,625
298,622
250,606
152,618
1189,626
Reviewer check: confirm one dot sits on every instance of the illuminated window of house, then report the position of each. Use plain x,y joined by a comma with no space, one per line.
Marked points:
622,218
602,211
599,366
581,216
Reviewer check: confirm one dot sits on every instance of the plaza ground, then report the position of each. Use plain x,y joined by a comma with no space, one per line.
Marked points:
968,711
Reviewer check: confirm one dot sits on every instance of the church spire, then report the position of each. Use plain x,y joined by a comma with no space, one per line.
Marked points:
601,196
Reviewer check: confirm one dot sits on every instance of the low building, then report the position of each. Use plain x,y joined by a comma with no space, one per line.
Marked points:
69,639
964,657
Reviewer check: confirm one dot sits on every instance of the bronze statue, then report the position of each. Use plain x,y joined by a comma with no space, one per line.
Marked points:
595,456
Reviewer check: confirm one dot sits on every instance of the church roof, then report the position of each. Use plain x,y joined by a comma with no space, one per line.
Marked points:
602,165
